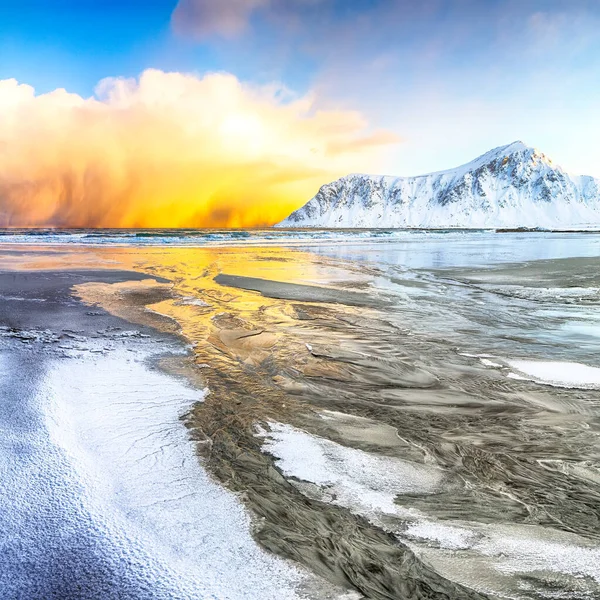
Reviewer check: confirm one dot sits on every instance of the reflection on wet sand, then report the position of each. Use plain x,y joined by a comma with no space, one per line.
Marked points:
252,352
414,378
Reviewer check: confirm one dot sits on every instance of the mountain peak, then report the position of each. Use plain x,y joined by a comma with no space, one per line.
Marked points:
510,186
508,149
517,146
517,150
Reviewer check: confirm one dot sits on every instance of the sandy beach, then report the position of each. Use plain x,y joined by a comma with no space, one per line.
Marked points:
271,422
299,300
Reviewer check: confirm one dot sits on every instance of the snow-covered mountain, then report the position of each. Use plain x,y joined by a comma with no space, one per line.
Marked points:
510,186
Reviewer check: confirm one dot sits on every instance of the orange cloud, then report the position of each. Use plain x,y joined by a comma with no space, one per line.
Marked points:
170,150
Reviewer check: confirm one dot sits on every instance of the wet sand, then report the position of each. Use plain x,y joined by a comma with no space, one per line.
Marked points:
103,496
320,387
298,292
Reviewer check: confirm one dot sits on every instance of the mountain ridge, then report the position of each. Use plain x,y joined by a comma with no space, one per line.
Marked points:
513,185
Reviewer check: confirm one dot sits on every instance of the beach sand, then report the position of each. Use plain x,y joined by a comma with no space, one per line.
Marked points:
386,463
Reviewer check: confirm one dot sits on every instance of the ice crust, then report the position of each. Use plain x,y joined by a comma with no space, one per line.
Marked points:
515,548
363,482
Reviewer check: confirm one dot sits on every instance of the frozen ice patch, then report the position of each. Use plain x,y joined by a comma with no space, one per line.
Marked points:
553,295
447,536
500,559
556,373
368,484
365,483
490,363
525,554
583,328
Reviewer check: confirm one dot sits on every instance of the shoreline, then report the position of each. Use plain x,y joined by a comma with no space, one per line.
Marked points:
235,456
359,382
289,524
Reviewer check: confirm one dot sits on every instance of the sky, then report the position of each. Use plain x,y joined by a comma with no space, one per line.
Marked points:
233,113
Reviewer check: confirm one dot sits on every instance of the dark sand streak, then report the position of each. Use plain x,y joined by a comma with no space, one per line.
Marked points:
298,292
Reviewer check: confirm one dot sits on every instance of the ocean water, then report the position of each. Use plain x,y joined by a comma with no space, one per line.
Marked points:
447,393
499,246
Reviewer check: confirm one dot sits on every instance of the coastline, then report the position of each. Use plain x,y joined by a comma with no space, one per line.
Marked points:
223,425
299,385
243,368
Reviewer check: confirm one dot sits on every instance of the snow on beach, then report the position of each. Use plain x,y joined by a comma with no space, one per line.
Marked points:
126,488
562,374
363,482
557,373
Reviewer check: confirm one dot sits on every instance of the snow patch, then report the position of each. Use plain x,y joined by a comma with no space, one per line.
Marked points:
514,549
556,373
490,363
365,483
118,422
447,536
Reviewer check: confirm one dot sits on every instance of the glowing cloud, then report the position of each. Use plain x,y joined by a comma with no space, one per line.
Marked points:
171,150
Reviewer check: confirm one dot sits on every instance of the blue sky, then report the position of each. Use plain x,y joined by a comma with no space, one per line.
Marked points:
451,78
74,44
